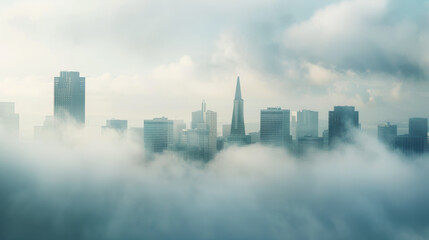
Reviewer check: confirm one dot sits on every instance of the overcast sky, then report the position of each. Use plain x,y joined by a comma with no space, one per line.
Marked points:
145,59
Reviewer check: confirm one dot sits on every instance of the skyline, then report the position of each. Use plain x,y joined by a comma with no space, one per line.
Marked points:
127,70
369,127
214,119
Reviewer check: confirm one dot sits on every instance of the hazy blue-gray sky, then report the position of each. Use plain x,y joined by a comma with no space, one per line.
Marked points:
144,59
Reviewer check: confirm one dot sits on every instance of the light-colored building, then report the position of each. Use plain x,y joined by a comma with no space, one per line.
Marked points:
9,120
307,124
226,130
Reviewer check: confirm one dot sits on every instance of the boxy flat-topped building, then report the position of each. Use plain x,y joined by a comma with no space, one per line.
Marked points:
69,97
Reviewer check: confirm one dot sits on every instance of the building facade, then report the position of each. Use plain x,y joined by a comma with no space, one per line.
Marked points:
275,127
341,121
69,97
307,124
158,134
387,133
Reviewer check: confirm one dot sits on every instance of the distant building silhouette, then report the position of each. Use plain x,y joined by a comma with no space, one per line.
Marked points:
179,126
226,130
198,116
387,133
9,120
47,130
418,127
308,143
158,134
119,126
275,127
416,141
238,133
341,121
307,124
202,138
69,97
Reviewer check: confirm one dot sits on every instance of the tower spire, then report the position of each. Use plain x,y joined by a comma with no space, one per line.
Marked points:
238,89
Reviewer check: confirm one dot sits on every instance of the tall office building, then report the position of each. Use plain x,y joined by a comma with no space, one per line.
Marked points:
418,127
341,121
158,134
238,134
387,133
307,124
275,127
119,126
9,120
69,97
211,121
226,130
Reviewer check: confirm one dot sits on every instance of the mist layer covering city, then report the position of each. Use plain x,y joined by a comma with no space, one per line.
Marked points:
214,119
101,188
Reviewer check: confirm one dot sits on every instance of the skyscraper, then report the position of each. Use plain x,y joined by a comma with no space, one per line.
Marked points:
307,124
69,97
418,127
341,121
275,127
158,134
387,133
9,120
238,134
211,120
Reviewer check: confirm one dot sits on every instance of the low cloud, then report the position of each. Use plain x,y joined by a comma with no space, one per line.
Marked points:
100,188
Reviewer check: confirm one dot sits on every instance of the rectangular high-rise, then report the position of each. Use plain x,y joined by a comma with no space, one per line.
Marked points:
387,133
307,124
341,121
158,134
275,127
69,97
418,127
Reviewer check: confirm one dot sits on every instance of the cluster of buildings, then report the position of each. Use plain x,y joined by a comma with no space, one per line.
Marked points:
416,141
201,140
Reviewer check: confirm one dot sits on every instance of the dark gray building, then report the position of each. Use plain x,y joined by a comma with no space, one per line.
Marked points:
158,134
341,121
387,133
275,127
416,141
418,127
69,97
